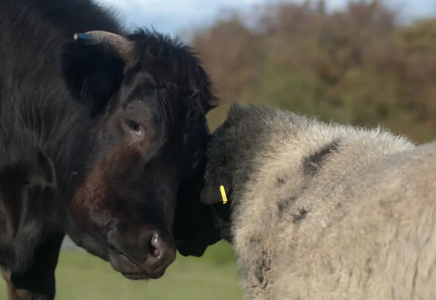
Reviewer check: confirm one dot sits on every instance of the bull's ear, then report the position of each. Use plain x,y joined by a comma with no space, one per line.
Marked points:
92,74
212,193
199,82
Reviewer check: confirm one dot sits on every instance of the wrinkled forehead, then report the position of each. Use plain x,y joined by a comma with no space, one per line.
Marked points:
171,103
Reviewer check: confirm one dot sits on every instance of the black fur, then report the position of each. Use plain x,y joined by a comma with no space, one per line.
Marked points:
284,204
261,268
302,213
313,162
67,111
281,182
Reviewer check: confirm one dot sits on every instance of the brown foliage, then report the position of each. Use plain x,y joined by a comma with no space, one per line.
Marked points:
357,66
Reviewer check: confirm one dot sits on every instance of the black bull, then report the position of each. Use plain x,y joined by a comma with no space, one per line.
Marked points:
102,137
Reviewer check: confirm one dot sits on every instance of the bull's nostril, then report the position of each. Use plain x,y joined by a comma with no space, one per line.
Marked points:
154,246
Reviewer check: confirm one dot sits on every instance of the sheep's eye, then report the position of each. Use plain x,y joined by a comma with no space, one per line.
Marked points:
132,125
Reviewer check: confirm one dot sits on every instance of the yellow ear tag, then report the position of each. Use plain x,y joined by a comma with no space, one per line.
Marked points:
223,194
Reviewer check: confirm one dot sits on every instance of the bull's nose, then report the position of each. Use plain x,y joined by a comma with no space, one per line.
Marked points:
156,245
161,252
140,253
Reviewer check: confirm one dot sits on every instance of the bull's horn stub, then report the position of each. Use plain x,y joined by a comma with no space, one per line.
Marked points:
83,37
120,45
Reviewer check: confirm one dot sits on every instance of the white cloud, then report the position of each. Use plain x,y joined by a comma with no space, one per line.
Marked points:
173,15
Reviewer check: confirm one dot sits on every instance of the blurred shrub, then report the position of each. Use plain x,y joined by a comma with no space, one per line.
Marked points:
220,253
357,66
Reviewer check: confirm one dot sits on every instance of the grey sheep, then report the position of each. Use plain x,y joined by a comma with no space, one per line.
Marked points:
323,211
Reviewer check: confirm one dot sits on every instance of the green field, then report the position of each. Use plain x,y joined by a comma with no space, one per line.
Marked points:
212,277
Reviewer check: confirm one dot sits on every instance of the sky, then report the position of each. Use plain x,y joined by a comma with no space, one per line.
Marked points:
175,16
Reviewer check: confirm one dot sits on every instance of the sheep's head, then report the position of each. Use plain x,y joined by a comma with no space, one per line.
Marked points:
216,176
231,152
217,179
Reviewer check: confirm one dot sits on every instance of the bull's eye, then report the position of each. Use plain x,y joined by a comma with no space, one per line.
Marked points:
132,125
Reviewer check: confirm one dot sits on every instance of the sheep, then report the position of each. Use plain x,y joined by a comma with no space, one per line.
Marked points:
323,211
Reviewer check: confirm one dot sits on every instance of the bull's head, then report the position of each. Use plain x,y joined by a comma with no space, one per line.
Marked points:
141,144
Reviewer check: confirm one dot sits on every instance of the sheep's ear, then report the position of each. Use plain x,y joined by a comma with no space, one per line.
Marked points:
211,193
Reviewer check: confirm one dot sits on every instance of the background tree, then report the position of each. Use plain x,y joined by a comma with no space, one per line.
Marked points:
359,66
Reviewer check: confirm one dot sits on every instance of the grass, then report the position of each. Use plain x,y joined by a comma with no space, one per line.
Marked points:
213,277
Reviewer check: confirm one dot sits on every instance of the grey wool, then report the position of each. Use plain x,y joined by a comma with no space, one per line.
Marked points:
323,211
